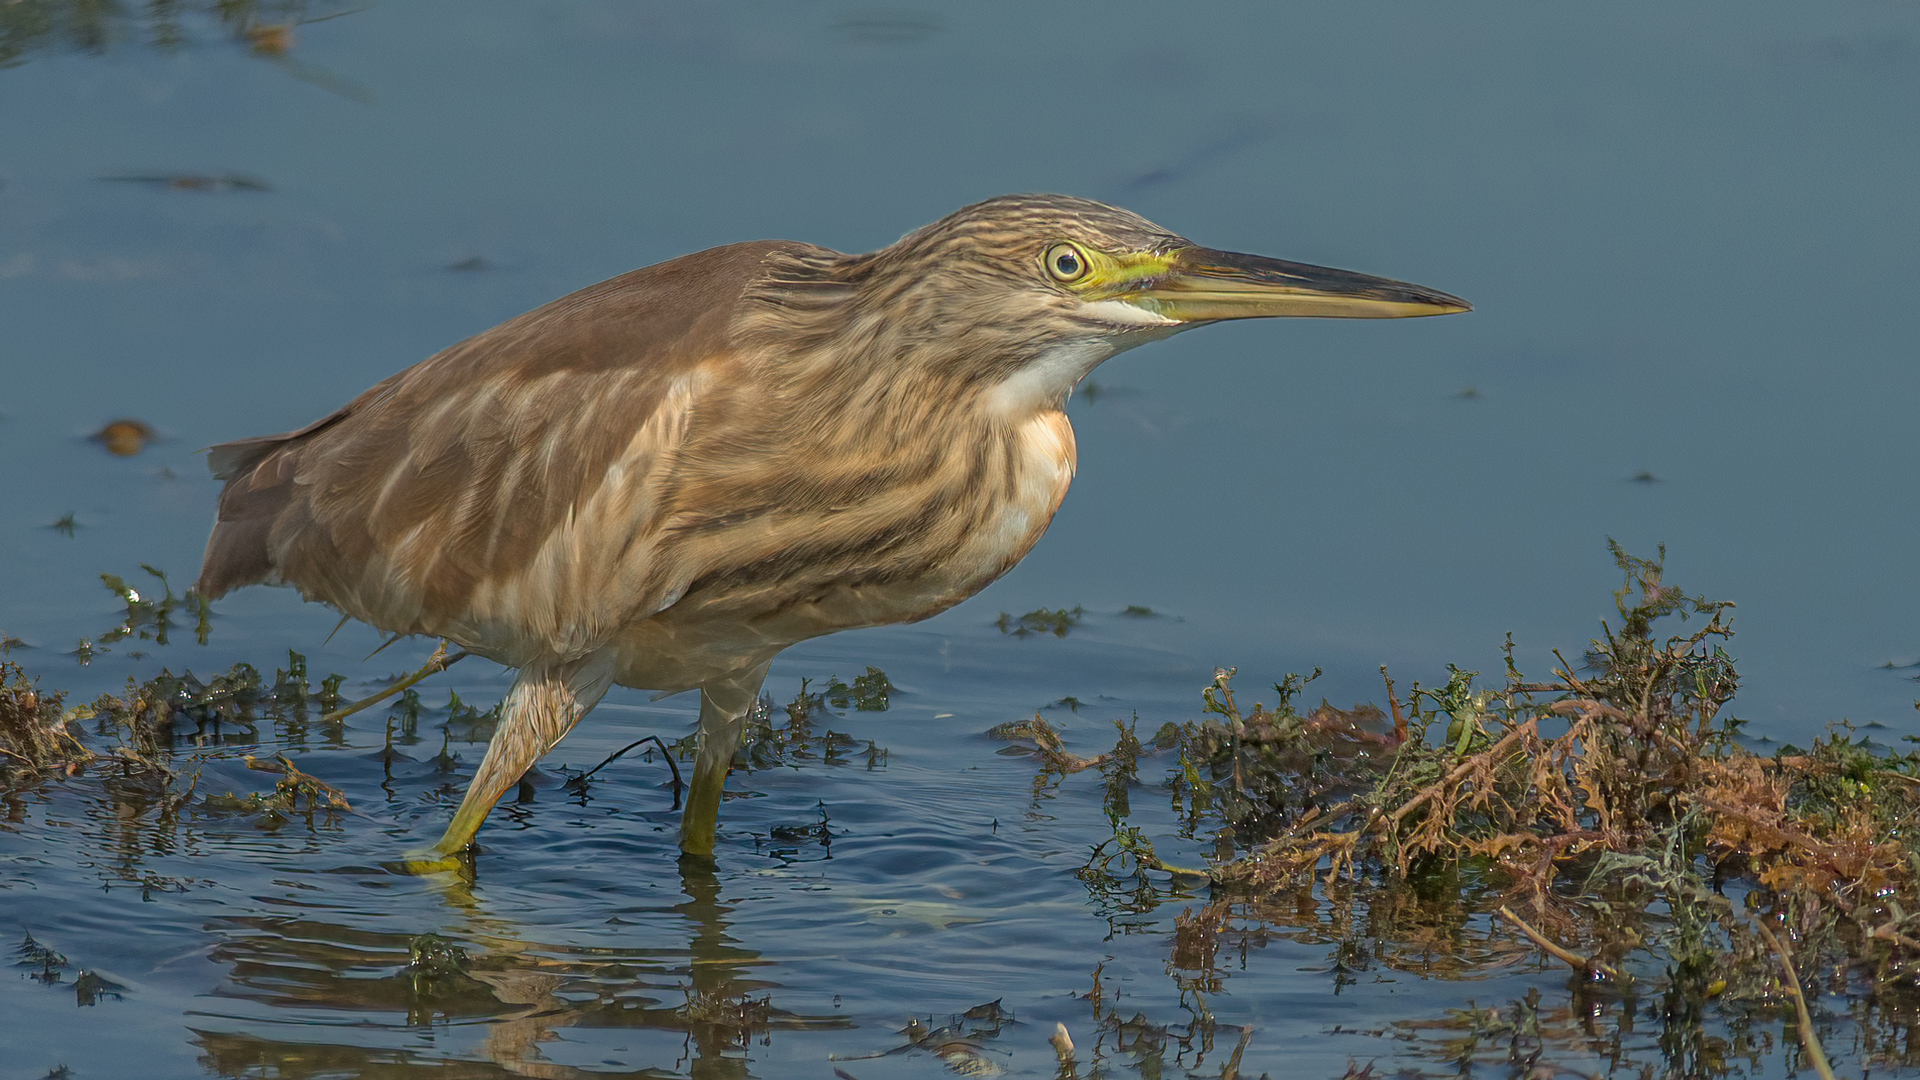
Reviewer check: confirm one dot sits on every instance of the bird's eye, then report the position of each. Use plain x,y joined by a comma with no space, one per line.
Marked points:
1066,263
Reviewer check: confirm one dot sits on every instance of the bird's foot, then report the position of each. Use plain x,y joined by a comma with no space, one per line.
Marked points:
433,861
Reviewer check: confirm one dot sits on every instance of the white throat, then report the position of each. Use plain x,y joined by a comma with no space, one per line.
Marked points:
1045,382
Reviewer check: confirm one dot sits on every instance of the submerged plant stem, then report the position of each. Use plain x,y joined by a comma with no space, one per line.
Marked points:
1808,1039
1572,959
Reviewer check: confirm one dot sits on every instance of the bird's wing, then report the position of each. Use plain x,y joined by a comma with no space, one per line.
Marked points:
505,490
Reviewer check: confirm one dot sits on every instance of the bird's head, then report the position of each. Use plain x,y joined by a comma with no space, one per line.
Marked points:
1034,290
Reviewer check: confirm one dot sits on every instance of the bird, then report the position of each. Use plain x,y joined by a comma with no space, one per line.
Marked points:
665,479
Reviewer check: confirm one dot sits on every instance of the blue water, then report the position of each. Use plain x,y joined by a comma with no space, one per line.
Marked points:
1688,232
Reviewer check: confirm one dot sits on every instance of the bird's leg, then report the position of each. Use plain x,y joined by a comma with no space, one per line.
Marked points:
724,705
544,704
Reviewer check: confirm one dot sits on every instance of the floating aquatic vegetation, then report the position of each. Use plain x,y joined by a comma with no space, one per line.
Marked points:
91,988
31,954
787,840
264,29
795,742
36,736
960,1043
431,956
1156,1049
135,733
294,788
151,619
1462,773
869,692
737,1014
1058,622
1611,817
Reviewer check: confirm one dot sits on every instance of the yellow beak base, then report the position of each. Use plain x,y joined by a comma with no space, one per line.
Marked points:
1204,285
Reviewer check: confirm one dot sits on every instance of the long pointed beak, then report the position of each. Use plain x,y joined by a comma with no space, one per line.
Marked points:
1202,285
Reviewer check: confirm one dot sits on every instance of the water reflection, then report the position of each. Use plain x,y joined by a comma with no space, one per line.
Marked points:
508,995
265,27
545,966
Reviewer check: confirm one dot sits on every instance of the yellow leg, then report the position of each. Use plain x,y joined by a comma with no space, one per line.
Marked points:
544,704
723,713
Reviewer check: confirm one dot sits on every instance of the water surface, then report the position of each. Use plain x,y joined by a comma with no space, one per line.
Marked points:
1687,230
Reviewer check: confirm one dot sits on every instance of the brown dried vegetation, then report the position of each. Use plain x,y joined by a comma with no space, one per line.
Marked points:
34,734
1612,816
131,736
1644,786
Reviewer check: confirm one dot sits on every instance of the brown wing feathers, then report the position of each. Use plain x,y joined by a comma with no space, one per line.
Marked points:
460,467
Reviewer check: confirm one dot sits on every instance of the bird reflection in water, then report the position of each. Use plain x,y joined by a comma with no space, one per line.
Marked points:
303,973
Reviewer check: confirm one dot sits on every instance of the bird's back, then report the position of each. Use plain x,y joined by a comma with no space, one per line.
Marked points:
452,498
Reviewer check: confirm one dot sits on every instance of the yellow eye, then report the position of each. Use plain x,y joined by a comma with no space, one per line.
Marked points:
1065,262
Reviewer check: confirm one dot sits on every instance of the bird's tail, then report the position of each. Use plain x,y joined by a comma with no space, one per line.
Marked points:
259,473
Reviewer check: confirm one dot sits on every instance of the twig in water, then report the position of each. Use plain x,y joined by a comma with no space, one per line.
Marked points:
1181,871
1572,959
579,783
436,663
1808,1039
1399,720
1888,933
297,783
1231,1070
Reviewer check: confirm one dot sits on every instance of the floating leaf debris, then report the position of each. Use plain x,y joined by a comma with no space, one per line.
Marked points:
124,437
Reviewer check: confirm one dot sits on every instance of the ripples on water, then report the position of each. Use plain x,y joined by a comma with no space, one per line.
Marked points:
902,901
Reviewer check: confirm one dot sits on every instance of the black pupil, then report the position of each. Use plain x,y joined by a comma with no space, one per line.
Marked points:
1067,263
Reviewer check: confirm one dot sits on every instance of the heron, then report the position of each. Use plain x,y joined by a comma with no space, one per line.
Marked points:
665,479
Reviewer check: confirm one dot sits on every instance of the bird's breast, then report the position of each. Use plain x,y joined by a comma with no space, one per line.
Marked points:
1044,456
992,528
905,556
